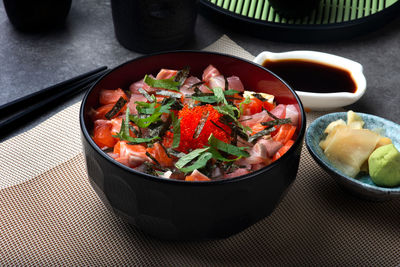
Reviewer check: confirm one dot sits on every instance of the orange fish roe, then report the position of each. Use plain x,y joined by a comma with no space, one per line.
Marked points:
190,118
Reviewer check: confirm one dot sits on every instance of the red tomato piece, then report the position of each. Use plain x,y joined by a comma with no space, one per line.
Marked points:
283,150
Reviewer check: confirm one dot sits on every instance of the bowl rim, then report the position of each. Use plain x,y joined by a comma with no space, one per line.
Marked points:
395,191
86,135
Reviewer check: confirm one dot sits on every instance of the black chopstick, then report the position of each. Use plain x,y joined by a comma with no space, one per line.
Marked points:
36,102
20,103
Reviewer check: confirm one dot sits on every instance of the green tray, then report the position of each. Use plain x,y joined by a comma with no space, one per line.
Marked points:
332,20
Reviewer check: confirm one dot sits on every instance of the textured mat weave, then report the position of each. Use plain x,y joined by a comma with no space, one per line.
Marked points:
56,218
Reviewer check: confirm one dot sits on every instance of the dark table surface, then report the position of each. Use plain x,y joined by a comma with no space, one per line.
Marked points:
29,62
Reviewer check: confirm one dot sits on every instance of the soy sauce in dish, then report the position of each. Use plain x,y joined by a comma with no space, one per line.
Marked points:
311,76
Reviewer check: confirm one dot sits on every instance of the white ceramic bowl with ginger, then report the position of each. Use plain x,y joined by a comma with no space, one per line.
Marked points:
323,101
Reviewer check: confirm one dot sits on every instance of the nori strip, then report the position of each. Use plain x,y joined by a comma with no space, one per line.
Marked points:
168,93
116,108
182,75
146,95
201,124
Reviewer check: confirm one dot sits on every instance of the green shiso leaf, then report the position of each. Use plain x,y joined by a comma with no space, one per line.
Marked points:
145,122
210,99
216,155
227,148
219,94
142,140
231,92
176,129
124,133
168,84
189,157
199,163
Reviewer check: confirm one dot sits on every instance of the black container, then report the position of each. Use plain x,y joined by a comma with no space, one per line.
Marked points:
37,15
153,25
294,8
175,209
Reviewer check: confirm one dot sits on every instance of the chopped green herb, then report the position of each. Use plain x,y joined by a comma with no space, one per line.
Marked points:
210,99
231,92
169,84
228,148
142,140
176,129
146,121
189,157
219,94
199,163
246,101
116,108
216,155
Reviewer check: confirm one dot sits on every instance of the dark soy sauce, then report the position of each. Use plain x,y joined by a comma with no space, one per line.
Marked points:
311,76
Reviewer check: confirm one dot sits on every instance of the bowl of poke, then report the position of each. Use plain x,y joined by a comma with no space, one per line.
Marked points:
191,145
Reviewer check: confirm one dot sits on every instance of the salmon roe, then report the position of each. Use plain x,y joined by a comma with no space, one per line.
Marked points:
190,118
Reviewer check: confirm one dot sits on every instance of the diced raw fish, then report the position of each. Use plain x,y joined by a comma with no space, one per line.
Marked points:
102,135
116,125
135,160
235,83
204,88
210,72
258,166
293,114
197,176
217,81
134,98
236,173
216,172
123,149
134,87
111,96
187,88
279,111
166,74
252,120
267,147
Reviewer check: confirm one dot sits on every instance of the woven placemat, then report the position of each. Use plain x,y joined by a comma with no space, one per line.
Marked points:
55,218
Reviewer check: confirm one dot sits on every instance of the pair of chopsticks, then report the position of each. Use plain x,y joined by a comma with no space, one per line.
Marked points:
19,111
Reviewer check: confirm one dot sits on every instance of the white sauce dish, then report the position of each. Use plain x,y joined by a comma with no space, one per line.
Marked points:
318,99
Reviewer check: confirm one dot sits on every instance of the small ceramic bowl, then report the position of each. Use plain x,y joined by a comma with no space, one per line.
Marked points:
362,185
323,101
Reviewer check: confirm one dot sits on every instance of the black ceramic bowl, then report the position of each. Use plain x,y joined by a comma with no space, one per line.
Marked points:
173,209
